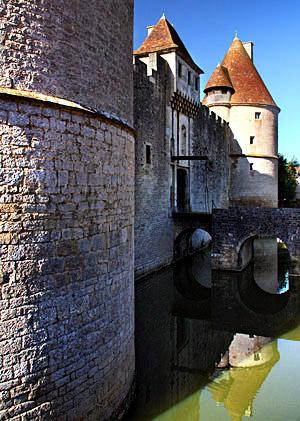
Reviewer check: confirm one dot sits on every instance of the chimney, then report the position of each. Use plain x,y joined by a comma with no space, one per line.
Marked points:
150,28
249,48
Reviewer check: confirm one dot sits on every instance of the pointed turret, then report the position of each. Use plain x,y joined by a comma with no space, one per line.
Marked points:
163,38
248,86
237,93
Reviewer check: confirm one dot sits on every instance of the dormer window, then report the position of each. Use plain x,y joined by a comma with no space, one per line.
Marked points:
189,77
179,70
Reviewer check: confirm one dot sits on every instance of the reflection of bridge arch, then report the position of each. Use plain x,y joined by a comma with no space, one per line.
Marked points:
191,299
260,301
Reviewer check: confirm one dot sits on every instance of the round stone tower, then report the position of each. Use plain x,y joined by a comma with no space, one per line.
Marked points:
66,209
237,93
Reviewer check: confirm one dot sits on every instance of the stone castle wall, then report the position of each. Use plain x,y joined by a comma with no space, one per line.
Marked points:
153,225
254,164
210,178
233,227
155,230
66,262
66,210
70,50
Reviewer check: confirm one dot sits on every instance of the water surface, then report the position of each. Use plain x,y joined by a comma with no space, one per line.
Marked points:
218,345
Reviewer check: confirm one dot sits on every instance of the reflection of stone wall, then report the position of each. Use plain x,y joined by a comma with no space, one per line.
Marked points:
175,354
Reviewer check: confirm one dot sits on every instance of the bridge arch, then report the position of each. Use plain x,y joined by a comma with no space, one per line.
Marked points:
190,241
231,227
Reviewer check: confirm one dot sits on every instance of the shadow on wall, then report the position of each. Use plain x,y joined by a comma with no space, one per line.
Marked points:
248,186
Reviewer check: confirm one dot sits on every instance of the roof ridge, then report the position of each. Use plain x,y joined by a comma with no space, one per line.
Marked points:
164,38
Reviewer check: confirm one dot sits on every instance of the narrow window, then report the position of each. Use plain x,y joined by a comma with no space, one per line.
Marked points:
252,140
251,167
257,356
257,116
148,154
189,77
196,83
179,69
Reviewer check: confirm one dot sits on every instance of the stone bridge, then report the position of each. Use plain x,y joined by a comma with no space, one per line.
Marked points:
185,223
234,229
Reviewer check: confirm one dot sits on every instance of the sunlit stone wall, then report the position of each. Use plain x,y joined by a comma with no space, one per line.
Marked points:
66,210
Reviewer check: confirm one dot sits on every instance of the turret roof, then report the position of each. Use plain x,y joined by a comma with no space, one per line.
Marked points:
163,39
219,78
247,83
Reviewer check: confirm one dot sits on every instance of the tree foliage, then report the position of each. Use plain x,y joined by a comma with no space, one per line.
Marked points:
287,180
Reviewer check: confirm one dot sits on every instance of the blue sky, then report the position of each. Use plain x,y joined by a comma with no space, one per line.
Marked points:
207,29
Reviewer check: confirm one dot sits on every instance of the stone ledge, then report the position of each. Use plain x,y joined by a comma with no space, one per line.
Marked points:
39,97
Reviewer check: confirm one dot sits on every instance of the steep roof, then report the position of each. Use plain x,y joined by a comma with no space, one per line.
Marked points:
248,85
219,78
163,39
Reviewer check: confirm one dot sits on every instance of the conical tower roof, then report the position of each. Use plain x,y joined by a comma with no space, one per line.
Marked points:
220,78
163,39
247,83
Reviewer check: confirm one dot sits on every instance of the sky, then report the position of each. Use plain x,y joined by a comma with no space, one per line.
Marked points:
207,29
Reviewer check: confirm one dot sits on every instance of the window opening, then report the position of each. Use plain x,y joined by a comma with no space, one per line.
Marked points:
179,69
257,116
196,83
251,167
189,77
252,140
148,154
183,140
257,356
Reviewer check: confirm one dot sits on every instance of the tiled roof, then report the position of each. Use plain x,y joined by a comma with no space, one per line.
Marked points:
248,85
162,39
219,78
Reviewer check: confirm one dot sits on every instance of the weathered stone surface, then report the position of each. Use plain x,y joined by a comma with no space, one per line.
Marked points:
233,227
70,50
66,251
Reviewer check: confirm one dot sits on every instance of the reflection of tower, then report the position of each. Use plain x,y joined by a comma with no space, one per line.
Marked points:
236,92
266,264
251,360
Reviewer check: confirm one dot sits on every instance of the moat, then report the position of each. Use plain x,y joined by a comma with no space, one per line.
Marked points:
219,345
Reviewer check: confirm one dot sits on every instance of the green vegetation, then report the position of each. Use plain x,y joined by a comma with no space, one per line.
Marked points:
287,182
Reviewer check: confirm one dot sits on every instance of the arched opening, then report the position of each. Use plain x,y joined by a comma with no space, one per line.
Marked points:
191,241
267,290
271,264
245,254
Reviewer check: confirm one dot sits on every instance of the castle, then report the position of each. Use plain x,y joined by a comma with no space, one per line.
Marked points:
80,141
193,157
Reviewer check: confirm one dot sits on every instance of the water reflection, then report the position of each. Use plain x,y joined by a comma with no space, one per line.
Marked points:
205,337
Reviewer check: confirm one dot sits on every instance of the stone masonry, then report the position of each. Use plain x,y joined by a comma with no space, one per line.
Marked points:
66,345
80,51
233,227
66,209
